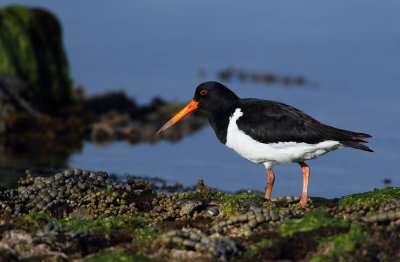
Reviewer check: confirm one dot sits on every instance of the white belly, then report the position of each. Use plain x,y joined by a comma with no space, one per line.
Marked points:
273,153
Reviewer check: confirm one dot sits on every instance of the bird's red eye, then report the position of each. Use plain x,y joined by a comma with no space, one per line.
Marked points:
203,92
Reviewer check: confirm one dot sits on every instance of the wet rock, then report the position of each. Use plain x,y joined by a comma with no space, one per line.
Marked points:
41,60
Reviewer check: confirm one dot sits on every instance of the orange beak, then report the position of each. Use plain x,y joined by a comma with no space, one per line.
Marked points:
189,108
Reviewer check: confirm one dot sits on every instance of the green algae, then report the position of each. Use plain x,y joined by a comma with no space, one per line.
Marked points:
232,202
146,235
31,49
343,243
119,257
192,195
110,226
311,221
35,219
377,195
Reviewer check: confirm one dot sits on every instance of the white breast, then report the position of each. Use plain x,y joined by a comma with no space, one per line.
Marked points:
272,153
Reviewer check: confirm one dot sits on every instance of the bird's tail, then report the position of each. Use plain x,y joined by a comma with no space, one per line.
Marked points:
358,144
356,140
349,138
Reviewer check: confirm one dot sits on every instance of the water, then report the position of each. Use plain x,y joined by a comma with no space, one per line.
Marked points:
349,49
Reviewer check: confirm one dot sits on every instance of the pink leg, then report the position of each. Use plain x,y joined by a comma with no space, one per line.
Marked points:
306,174
270,183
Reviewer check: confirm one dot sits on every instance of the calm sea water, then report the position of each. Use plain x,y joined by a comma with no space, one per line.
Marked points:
349,49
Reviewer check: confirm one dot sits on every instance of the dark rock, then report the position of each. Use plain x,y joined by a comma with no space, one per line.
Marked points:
38,57
104,103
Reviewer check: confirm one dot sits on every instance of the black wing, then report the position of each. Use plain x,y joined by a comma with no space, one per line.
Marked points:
270,122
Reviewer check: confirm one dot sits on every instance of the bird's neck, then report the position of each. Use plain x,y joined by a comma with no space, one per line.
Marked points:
219,121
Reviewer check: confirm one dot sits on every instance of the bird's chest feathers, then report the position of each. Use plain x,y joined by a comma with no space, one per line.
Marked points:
274,153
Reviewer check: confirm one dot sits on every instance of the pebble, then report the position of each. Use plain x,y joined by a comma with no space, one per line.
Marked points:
220,248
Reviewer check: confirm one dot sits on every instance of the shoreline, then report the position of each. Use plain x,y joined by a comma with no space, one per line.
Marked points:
80,215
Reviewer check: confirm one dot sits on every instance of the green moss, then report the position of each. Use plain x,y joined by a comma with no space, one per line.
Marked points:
192,195
119,257
232,202
110,226
35,219
146,235
31,49
343,243
231,206
311,221
378,195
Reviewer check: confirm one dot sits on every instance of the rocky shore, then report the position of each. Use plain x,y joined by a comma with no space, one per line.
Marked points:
81,215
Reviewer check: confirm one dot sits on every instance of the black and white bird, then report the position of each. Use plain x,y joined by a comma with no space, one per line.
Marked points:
267,132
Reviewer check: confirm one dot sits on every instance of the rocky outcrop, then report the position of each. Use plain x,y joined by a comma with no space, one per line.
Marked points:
31,49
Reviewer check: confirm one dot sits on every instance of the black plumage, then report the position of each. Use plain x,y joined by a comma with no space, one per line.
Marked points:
269,121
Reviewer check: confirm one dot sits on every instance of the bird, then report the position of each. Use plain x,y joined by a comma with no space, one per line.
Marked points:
267,132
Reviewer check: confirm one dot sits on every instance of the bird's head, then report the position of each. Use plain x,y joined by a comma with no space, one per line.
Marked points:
209,96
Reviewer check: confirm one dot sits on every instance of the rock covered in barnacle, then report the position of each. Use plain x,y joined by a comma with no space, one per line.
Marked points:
223,247
72,190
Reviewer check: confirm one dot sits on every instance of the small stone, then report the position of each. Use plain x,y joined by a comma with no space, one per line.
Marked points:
260,218
382,217
253,223
47,198
68,173
243,218
246,227
77,172
289,198
189,243
50,180
58,176
195,237
92,175
251,216
274,216
205,240
171,233
198,247
235,219
81,186
176,239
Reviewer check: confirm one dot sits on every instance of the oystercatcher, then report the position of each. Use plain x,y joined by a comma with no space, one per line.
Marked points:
267,132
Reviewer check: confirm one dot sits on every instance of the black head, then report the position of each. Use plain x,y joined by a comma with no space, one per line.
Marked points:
212,95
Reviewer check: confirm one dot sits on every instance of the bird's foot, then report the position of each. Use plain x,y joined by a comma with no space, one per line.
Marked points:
303,200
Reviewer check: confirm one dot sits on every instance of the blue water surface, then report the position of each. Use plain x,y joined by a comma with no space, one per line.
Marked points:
349,52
